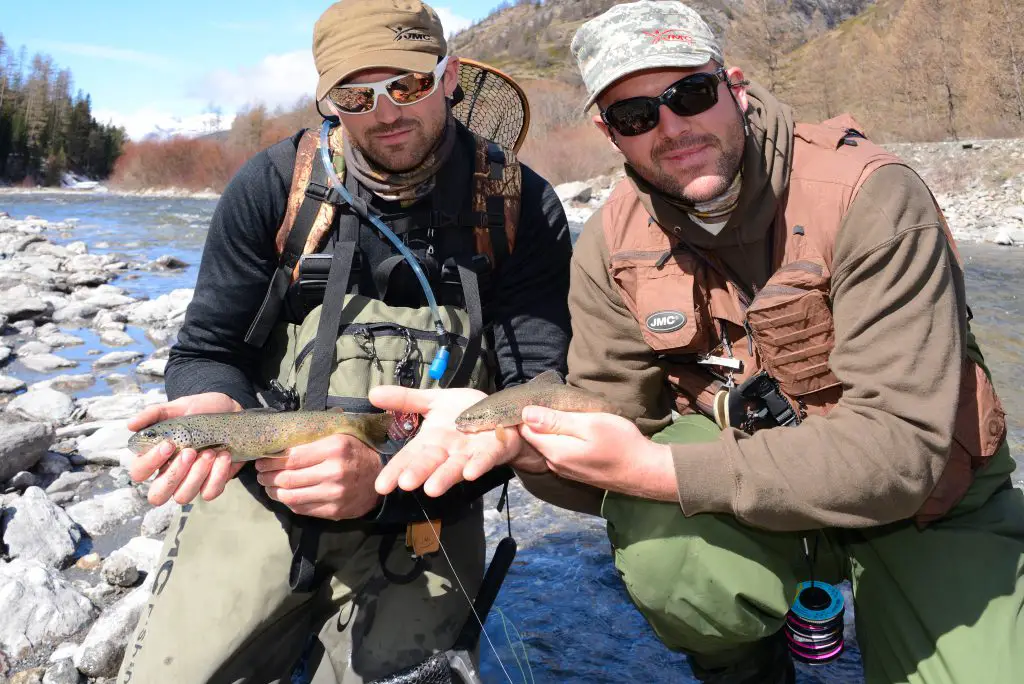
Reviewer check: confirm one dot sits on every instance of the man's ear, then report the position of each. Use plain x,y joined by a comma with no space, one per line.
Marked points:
738,85
608,132
451,76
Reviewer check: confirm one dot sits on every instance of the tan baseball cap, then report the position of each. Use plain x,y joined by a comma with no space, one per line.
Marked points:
353,35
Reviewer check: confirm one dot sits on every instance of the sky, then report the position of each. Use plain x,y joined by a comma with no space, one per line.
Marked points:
161,66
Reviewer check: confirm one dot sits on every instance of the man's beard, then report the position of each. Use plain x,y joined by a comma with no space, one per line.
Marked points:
729,161
413,151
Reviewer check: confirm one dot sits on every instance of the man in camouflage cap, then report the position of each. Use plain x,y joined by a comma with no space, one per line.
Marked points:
299,553
780,305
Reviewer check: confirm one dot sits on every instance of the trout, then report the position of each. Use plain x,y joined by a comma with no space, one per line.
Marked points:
505,408
259,433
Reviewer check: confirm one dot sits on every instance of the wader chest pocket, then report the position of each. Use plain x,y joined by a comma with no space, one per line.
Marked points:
794,334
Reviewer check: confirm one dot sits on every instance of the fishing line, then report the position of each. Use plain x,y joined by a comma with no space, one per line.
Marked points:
462,588
506,623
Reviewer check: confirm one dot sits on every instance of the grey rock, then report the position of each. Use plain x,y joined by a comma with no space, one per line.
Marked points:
162,310
9,384
34,347
25,326
117,358
115,338
53,464
63,672
65,651
67,482
141,553
100,593
61,340
68,382
62,498
120,406
31,676
167,262
122,384
119,571
157,520
154,367
23,480
576,191
43,405
35,527
75,311
107,445
103,648
89,279
46,363
106,511
19,303
40,607
5,351
21,446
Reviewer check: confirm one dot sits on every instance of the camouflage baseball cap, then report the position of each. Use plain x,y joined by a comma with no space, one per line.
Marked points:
635,36
353,35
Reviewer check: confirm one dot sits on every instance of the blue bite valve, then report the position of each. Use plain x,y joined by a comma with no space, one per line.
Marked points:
439,365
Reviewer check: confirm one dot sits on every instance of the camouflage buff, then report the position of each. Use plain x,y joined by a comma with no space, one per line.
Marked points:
401,186
632,37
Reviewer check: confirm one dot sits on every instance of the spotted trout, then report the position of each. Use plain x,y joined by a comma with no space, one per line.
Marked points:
505,408
259,433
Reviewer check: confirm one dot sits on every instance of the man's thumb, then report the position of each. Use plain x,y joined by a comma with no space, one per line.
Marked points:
401,399
548,421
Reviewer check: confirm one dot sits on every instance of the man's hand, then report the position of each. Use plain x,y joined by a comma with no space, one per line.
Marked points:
330,478
187,474
440,456
601,450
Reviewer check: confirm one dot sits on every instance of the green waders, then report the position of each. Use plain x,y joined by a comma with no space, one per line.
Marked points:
223,613
939,606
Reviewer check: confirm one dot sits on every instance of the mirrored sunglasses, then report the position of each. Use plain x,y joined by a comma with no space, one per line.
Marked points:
406,89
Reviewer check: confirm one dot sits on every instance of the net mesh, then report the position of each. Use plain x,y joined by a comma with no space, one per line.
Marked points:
492,106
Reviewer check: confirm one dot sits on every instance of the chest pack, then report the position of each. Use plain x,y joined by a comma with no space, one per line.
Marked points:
348,342
755,360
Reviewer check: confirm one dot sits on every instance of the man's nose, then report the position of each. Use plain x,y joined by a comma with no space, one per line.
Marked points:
387,112
672,125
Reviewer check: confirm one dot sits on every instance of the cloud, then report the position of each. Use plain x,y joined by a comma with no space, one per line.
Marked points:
108,52
278,80
452,22
153,121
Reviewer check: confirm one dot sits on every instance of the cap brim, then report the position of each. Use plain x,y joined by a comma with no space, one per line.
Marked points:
402,60
643,64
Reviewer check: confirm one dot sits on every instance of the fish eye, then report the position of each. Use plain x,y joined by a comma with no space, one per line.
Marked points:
149,433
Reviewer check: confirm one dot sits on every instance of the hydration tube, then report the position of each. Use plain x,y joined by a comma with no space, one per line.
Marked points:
440,362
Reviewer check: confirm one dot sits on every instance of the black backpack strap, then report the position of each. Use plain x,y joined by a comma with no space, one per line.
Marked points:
474,307
330,322
317,192
496,205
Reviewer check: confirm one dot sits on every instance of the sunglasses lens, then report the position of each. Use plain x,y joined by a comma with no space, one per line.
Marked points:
352,100
634,116
411,88
694,95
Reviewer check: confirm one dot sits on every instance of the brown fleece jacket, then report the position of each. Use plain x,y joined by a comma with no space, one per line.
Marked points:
900,320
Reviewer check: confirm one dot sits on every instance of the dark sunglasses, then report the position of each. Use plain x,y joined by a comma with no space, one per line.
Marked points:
689,96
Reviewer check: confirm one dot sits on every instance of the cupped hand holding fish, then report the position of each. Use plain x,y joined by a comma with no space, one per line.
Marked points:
440,456
602,450
188,474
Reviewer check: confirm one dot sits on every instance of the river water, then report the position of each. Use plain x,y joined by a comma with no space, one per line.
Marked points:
562,609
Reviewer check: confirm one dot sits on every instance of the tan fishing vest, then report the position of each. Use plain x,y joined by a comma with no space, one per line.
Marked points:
789,320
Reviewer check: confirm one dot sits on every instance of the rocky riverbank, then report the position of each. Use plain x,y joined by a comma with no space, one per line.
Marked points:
79,540
978,184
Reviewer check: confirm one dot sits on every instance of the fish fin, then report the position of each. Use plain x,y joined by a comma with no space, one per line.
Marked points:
336,409
548,377
499,432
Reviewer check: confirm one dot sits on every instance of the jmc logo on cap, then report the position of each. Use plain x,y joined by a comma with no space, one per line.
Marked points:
665,321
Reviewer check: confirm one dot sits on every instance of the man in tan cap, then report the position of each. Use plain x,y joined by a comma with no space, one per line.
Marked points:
397,248
781,305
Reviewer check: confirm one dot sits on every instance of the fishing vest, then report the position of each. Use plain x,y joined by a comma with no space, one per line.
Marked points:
786,329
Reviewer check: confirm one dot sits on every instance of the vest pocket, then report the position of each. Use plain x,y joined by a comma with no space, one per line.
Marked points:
664,300
794,334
